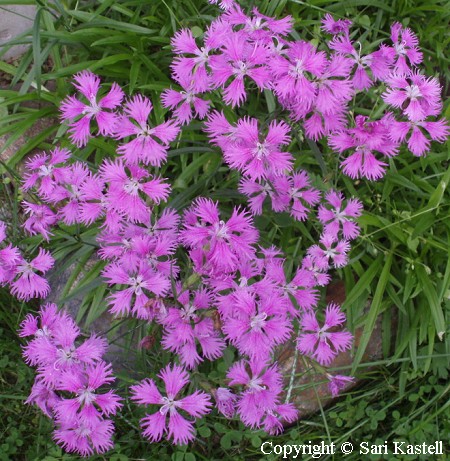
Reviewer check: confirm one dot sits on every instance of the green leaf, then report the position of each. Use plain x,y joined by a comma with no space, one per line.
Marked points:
374,310
433,301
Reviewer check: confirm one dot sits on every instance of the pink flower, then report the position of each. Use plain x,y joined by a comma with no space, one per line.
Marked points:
224,4
417,95
223,243
337,383
145,146
414,134
291,73
330,252
140,284
377,62
320,342
257,325
335,27
42,171
405,49
238,61
261,386
85,436
185,104
188,325
177,429
129,187
257,155
365,138
80,114
28,284
41,219
226,402
85,401
338,216
298,197
274,420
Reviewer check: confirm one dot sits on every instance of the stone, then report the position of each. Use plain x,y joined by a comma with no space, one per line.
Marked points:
14,20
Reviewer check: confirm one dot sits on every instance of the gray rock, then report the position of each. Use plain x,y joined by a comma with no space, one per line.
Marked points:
14,20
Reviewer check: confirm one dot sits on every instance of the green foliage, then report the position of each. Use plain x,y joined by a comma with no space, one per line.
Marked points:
401,262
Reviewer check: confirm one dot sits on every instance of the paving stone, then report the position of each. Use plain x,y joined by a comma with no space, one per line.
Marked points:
14,20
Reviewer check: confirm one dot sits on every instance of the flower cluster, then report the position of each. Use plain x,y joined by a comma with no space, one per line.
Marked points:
201,276
69,382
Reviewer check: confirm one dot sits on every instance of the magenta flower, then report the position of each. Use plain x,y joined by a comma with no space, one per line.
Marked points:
405,49
223,243
366,138
80,114
224,4
177,429
185,104
330,252
338,215
417,95
274,420
257,326
130,187
323,343
27,283
377,62
258,27
85,436
292,74
144,147
261,386
40,219
225,401
337,383
85,401
192,68
188,325
238,61
257,155
414,133
140,284
297,196
44,171
335,27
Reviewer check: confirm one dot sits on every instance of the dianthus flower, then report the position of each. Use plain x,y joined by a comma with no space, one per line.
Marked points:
129,187
261,385
330,252
239,60
257,155
222,243
366,138
414,133
80,114
330,25
377,62
27,283
40,219
188,325
185,103
178,429
417,95
44,171
405,52
257,325
337,382
323,343
338,215
144,147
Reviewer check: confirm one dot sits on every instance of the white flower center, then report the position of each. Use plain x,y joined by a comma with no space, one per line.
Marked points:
413,92
132,187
